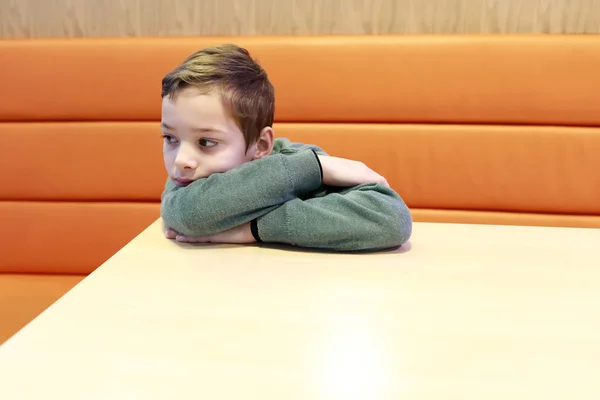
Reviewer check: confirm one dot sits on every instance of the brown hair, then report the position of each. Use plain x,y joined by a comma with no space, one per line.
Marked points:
240,81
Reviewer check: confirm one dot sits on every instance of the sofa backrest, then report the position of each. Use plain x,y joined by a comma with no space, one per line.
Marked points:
484,129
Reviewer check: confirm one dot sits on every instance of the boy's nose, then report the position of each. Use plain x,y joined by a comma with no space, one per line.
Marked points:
183,161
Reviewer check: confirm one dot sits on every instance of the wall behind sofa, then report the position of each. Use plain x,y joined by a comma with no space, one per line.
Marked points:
102,18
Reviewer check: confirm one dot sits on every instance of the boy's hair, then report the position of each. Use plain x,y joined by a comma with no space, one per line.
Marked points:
241,82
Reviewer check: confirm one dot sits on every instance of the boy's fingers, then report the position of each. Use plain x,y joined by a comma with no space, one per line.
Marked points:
170,233
181,238
190,239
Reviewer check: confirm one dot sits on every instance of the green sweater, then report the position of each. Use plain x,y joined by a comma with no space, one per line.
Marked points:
283,198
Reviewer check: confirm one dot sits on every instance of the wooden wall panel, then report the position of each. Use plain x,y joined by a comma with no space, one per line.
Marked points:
102,18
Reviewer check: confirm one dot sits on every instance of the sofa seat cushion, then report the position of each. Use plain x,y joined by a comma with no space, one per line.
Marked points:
24,296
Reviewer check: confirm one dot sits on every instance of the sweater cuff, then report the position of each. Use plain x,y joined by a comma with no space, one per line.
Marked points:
304,171
319,162
254,230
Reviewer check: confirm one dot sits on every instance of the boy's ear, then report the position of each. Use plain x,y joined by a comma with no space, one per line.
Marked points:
264,144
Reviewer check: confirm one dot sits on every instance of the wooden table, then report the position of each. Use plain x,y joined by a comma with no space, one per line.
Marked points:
467,312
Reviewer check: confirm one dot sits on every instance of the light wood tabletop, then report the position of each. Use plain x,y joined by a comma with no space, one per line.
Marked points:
463,312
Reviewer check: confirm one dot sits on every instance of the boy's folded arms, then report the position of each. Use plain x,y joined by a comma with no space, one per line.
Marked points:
282,199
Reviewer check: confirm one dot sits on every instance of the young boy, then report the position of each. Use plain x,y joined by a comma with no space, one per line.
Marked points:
230,181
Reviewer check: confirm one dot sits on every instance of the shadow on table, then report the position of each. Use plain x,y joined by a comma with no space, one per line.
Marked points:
406,247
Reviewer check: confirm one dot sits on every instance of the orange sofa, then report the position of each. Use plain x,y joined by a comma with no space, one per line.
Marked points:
481,129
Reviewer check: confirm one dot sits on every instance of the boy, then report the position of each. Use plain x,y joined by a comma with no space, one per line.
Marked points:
230,181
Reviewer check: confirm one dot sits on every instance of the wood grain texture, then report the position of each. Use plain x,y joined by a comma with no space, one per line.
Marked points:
116,18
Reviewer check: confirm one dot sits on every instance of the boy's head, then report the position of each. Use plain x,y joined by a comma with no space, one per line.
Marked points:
217,113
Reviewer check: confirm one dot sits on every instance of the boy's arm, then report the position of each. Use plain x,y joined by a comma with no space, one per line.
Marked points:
226,200
370,216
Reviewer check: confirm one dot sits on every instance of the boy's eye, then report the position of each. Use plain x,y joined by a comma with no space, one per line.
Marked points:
207,143
168,139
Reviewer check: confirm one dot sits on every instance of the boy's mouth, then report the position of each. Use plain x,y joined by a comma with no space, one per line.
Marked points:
181,182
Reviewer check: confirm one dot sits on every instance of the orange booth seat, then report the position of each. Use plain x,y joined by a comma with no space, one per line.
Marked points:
468,129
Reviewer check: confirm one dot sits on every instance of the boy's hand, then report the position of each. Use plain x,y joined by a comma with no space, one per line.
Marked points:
342,172
238,235
170,233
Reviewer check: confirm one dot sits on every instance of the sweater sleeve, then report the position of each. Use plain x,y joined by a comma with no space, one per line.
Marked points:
225,200
370,216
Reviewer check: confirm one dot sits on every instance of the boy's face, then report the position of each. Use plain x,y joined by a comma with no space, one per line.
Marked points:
200,137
